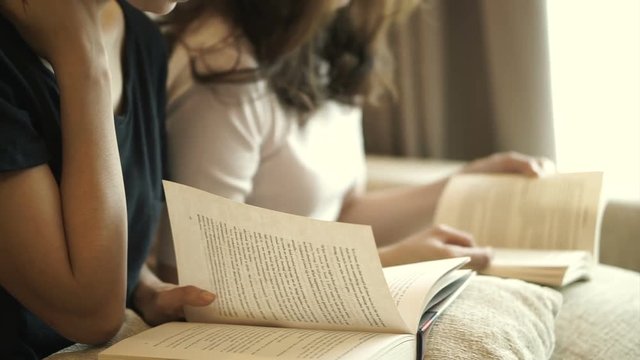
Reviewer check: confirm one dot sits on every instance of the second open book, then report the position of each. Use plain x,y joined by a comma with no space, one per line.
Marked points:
543,230
290,287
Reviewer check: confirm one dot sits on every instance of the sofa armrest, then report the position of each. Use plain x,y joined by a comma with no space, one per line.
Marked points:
620,235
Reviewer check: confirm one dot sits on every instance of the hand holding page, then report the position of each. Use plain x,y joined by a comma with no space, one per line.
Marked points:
289,287
559,212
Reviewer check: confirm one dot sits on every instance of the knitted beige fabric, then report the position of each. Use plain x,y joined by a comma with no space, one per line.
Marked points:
496,319
600,319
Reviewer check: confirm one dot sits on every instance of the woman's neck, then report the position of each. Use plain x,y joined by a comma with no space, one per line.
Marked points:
217,45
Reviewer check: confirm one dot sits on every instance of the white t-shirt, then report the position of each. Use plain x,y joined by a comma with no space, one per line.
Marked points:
236,140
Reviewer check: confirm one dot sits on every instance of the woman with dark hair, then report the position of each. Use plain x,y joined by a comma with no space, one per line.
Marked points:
264,112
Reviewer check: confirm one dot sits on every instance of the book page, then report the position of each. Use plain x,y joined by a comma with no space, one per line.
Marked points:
219,341
554,212
546,267
538,258
413,285
274,269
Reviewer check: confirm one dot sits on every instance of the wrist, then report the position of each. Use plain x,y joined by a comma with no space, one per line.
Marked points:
142,294
147,289
145,293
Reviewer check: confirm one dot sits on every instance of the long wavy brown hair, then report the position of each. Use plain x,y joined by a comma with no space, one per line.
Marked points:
308,52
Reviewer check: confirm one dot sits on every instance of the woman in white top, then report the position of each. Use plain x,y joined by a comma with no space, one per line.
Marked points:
256,117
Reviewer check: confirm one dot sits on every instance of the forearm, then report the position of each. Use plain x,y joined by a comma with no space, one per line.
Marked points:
394,213
92,189
64,245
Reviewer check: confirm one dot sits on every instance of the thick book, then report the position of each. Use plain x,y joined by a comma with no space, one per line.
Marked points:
290,287
543,230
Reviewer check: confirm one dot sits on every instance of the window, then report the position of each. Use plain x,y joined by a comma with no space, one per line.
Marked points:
595,79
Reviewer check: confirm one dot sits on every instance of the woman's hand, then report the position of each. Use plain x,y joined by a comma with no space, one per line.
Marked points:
511,162
59,29
161,302
439,242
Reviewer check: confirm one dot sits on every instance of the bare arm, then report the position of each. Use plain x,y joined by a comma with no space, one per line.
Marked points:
63,252
397,213
394,213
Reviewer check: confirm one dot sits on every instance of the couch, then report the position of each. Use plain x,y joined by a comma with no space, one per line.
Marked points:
598,319
510,319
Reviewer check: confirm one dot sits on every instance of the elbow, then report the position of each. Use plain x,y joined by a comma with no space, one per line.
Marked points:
94,327
100,330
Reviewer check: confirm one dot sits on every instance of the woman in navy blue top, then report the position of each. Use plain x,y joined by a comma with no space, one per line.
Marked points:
80,187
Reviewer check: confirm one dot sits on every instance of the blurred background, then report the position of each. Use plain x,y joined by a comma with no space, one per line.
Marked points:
555,78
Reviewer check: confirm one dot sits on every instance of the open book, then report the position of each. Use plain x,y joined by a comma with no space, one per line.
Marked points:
290,287
543,230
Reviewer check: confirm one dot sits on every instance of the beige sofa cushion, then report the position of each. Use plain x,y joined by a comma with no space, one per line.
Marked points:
496,319
600,319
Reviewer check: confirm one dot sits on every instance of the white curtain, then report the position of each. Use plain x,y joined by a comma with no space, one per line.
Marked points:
559,78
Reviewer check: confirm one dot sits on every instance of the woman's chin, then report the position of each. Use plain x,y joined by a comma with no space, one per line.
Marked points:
160,7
